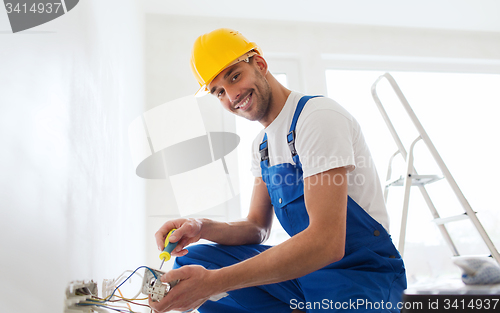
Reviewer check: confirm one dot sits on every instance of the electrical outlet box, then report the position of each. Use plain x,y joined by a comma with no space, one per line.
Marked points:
108,286
152,285
79,291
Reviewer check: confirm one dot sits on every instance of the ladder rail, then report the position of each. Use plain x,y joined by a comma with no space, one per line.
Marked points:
389,175
406,200
402,151
444,169
410,171
430,205
441,227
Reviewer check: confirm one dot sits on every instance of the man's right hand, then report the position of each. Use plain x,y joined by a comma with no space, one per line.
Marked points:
188,231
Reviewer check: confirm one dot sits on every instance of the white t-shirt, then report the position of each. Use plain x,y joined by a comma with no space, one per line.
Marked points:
327,137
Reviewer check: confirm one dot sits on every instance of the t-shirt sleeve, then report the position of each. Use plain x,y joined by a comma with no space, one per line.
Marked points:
324,141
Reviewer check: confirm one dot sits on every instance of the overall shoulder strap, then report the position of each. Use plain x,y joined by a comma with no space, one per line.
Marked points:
290,138
264,152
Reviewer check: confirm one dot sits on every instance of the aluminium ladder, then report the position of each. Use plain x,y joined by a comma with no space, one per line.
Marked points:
413,179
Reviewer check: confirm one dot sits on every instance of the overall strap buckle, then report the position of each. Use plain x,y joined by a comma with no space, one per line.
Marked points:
264,152
290,138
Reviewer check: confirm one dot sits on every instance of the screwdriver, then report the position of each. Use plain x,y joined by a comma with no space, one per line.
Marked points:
165,254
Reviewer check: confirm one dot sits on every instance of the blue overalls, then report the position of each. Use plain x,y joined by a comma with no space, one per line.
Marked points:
369,278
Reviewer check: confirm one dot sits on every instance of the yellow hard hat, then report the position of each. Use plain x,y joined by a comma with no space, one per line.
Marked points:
215,51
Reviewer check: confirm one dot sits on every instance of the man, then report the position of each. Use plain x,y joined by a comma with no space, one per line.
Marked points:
339,256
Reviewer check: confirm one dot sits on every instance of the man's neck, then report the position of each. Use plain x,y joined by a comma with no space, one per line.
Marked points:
279,95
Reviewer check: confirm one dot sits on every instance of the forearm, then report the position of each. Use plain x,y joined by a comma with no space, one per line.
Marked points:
254,229
233,233
320,244
296,257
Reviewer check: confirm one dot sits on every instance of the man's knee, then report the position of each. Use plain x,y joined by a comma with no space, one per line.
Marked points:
214,256
197,255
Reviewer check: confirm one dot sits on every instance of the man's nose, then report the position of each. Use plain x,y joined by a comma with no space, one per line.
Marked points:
233,94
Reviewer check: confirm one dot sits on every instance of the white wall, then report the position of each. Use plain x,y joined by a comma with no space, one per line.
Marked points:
468,15
72,207
169,40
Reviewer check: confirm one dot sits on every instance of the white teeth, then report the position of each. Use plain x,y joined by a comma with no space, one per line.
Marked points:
243,104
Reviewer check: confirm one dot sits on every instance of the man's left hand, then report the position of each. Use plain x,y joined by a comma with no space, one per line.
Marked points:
196,285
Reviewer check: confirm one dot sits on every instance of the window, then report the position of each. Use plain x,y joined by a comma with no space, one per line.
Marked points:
281,78
459,112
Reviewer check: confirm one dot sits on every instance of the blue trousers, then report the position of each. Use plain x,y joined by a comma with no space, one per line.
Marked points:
373,287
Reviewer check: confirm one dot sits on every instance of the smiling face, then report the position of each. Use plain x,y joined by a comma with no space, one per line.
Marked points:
243,90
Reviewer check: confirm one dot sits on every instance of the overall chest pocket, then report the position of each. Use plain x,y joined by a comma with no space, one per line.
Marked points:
286,189
284,183
293,216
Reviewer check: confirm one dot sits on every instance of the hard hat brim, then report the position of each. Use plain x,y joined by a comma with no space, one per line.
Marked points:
203,91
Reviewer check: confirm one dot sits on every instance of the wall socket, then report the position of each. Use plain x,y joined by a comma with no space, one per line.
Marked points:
108,286
79,291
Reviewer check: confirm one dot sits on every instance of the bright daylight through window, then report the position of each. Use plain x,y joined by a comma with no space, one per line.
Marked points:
459,112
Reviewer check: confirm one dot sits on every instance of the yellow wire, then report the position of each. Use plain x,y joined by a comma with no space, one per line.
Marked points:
105,305
126,299
122,298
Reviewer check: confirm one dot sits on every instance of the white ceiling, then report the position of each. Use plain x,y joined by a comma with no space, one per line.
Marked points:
473,15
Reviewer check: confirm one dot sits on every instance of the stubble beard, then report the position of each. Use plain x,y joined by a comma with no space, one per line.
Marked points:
262,100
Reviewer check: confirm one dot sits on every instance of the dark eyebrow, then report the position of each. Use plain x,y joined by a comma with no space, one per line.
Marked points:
228,73
230,70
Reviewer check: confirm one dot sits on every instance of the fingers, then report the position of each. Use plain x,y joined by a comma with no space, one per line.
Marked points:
184,242
161,234
173,275
171,302
165,304
188,231
188,293
183,273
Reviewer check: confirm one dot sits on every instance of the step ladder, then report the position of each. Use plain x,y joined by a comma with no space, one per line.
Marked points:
412,178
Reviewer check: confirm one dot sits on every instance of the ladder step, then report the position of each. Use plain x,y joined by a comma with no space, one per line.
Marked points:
416,180
472,256
444,220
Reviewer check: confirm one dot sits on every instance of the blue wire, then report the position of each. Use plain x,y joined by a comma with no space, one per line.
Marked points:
113,293
103,306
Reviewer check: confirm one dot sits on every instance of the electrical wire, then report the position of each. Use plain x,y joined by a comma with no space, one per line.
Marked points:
112,294
141,304
111,306
114,306
121,294
129,299
104,303
118,281
106,307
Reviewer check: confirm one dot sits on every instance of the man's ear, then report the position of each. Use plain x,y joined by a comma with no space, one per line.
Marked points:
260,63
